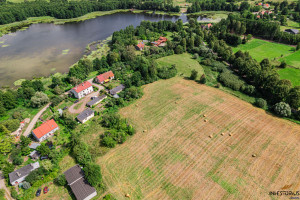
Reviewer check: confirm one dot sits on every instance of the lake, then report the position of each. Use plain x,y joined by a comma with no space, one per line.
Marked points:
38,50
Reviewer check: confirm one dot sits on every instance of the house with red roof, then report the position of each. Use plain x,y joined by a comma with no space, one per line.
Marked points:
140,46
160,41
82,89
105,77
45,130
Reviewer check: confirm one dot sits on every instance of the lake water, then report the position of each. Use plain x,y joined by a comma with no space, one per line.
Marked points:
38,51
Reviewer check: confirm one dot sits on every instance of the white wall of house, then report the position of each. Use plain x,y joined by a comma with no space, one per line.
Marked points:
91,196
83,92
21,179
86,119
103,81
50,134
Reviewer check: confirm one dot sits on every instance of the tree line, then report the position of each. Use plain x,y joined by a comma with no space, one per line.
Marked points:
12,12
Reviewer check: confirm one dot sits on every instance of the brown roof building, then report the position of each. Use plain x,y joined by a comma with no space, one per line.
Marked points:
80,187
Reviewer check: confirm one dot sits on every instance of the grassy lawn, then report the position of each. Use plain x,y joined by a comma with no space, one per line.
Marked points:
184,63
290,25
260,49
175,158
291,74
292,59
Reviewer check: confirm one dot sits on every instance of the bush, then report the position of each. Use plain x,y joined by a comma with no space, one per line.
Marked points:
282,109
109,142
194,75
81,153
61,180
167,72
14,193
93,174
33,177
203,79
108,197
26,185
230,80
260,102
248,89
17,160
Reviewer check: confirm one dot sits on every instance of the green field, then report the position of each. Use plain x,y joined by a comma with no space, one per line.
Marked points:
291,74
260,49
183,62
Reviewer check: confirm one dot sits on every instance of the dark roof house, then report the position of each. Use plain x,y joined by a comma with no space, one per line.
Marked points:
19,175
80,187
292,31
117,89
96,100
85,115
34,155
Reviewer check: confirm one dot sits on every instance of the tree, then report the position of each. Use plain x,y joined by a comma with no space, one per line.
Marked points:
47,165
81,153
8,168
17,160
109,142
39,99
298,46
2,109
179,49
25,141
26,185
92,173
203,79
282,109
61,180
38,85
33,177
58,90
261,103
5,144
43,149
194,74
294,97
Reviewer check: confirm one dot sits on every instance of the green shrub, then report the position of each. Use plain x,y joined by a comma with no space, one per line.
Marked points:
202,79
14,193
260,102
61,180
230,80
282,109
194,75
109,142
26,185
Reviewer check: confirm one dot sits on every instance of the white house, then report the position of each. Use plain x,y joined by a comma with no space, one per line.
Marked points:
19,175
85,115
82,89
80,187
45,130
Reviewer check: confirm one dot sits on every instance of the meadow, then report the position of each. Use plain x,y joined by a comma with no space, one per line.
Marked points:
183,62
275,52
197,142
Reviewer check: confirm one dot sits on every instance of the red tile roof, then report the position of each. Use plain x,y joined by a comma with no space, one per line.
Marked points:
45,128
82,86
140,45
159,41
105,76
209,25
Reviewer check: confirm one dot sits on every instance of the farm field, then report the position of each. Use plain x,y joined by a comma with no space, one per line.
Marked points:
172,156
183,62
291,74
260,49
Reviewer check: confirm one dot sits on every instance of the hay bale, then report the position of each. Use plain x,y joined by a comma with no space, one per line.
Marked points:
253,155
204,115
205,120
144,131
127,195
210,136
222,134
230,134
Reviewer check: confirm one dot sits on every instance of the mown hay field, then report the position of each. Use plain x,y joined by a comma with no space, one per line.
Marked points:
172,156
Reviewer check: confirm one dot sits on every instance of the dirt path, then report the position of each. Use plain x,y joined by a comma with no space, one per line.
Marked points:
34,120
85,99
3,186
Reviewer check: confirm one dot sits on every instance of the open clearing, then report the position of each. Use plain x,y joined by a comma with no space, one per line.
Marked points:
291,74
172,157
260,49
183,62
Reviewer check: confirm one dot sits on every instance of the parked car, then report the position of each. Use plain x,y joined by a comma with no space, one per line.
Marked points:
65,108
76,101
46,189
44,157
38,192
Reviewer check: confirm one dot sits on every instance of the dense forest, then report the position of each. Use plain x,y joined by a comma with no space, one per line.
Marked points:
12,12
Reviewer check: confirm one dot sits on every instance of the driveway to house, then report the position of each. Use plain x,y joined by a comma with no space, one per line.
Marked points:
3,186
34,120
85,99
